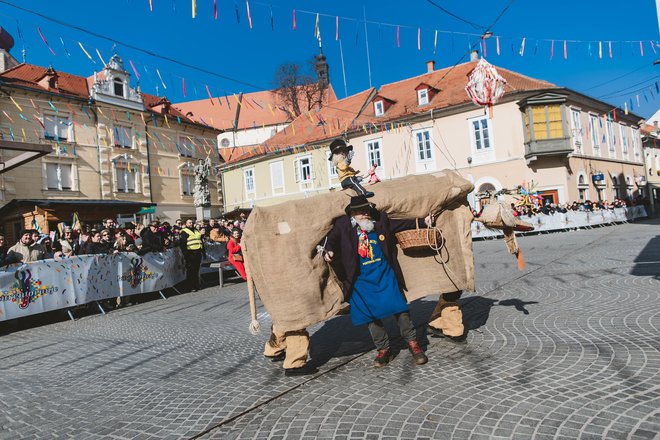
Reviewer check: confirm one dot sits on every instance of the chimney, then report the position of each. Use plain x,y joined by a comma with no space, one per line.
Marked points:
474,55
430,66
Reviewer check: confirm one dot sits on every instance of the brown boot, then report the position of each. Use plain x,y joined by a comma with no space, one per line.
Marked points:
383,357
417,353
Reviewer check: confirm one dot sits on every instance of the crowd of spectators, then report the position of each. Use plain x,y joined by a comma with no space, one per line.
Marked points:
109,237
549,208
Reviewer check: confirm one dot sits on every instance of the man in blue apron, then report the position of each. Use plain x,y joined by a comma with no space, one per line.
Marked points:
372,279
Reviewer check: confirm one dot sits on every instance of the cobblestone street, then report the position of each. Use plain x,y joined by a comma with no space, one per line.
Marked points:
567,349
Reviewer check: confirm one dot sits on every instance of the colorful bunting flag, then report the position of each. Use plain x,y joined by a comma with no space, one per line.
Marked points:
294,20
45,42
249,17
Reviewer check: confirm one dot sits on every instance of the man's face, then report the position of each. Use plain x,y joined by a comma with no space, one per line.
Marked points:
211,222
35,236
26,238
109,223
96,237
189,223
236,234
178,223
361,213
2,241
105,236
67,235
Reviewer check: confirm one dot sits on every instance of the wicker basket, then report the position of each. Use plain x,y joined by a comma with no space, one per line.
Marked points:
417,239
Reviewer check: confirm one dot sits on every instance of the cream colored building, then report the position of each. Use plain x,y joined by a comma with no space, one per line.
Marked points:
117,152
553,139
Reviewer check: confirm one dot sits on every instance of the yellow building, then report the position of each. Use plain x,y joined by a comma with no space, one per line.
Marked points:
116,151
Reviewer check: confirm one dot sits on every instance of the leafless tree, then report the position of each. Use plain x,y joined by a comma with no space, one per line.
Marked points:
297,91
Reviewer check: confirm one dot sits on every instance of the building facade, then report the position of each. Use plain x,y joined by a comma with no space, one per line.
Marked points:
116,151
563,144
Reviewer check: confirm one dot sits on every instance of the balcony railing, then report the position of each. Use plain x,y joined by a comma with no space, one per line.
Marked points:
548,147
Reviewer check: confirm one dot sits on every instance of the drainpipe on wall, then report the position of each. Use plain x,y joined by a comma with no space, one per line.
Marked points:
98,145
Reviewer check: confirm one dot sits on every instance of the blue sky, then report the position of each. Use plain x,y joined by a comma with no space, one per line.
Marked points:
229,48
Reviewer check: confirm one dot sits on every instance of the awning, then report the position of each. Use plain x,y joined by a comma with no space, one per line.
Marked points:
147,210
30,152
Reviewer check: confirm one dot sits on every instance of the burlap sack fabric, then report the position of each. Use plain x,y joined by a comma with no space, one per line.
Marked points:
298,288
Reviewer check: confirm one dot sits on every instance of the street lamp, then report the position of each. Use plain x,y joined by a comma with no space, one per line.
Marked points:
489,34
656,62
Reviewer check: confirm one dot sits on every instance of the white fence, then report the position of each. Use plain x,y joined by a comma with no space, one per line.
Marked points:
46,285
569,220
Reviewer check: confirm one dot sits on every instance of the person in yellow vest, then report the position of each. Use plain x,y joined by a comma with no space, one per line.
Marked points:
190,241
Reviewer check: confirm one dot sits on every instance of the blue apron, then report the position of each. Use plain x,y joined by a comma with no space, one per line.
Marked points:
376,292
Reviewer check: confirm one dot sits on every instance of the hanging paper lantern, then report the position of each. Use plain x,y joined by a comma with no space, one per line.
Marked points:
485,86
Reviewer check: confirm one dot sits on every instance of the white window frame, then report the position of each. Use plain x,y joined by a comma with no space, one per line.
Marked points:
576,128
624,140
125,172
277,167
186,144
186,175
635,144
125,130
611,145
58,119
248,177
426,163
333,174
118,81
371,147
423,96
60,187
483,154
298,169
379,108
595,138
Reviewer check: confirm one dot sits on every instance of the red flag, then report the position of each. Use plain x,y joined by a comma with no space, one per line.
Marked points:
483,43
183,85
294,20
247,7
641,49
45,42
209,93
552,49
215,9
137,75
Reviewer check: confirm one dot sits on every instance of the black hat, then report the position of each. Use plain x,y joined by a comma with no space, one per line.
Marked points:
358,202
337,145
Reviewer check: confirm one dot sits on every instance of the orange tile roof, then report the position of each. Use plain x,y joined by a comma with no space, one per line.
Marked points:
329,122
451,82
333,119
29,75
258,108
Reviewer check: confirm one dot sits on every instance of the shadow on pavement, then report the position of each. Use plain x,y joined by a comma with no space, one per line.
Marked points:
647,262
338,337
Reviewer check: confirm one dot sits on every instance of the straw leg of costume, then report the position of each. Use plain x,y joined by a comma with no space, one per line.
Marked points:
240,268
447,316
295,345
379,335
354,183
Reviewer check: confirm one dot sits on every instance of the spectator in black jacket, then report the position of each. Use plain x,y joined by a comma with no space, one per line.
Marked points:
94,245
151,240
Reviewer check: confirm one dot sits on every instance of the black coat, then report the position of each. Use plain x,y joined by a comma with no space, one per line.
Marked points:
343,241
151,242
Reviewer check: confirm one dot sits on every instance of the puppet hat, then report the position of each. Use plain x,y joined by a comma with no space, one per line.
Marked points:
337,146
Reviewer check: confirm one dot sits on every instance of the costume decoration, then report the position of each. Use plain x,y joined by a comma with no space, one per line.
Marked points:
529,196
485,86
340,156
364,249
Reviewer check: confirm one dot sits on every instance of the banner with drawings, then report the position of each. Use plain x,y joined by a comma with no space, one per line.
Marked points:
42,286
568,220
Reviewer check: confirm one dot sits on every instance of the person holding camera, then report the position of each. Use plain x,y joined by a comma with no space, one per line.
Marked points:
235,253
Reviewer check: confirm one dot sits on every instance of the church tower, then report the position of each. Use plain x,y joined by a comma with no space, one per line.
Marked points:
322,70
